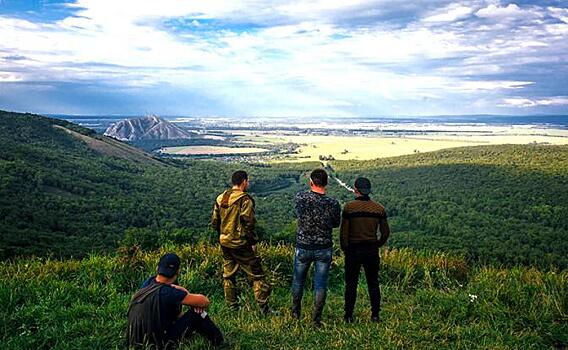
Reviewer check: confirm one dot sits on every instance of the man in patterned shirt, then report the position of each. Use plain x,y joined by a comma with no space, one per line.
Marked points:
317,215
361,220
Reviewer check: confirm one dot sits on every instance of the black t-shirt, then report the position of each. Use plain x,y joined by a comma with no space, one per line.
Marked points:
170,301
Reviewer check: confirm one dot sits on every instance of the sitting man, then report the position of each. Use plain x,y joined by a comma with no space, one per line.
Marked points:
155,316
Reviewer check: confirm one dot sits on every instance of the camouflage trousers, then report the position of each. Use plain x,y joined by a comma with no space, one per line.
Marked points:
245,258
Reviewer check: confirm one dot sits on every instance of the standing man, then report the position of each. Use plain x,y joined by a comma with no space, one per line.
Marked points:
155,316
361,219
317,215
233,218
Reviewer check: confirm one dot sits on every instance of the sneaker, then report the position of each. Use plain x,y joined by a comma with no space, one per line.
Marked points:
348,319
376,319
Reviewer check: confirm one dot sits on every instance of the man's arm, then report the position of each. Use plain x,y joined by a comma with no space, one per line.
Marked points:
193,300
344,231
297,206
248,219
196,300
385,231
216,218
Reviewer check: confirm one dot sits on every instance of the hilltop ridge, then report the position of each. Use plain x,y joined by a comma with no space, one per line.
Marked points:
146,128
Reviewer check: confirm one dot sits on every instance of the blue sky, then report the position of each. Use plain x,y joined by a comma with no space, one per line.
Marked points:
284,58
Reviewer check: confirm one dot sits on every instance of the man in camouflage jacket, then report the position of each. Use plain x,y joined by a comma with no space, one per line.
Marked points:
233,218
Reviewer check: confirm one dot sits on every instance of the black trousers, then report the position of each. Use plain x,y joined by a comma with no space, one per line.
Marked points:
193,322
368,258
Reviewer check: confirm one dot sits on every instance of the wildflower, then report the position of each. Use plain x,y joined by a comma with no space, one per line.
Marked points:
472,298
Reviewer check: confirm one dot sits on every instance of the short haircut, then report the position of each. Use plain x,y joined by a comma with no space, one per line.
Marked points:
238,177
319,177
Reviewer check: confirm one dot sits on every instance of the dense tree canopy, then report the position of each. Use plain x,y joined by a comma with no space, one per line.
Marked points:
505,204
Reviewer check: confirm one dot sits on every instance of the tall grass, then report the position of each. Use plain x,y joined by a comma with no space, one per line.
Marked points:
430,300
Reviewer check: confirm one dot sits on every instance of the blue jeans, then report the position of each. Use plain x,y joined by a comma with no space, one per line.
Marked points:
303,258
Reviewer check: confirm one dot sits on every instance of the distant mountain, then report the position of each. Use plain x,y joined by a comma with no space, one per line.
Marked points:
146,128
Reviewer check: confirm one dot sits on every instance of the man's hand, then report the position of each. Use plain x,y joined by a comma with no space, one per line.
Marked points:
198,310
253,247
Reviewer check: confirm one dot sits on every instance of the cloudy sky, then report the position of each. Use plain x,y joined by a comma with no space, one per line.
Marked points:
284,58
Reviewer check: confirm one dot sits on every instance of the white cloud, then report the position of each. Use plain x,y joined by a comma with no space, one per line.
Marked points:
450,14
526,102
299,56
511,11
560,13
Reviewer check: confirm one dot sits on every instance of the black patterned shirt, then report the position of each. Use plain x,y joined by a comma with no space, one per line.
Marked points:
317,215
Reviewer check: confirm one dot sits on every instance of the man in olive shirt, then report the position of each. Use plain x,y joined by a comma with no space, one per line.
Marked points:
361,219
233,218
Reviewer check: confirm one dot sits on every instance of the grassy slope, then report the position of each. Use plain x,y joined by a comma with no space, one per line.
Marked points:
111,147
426,304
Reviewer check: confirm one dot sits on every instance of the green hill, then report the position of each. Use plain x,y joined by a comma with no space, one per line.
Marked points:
65,191
505,203
98,213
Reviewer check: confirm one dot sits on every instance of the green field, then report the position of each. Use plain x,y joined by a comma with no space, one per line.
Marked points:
428,303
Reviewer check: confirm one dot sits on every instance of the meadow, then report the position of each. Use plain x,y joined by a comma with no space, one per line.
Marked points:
430,301
373,146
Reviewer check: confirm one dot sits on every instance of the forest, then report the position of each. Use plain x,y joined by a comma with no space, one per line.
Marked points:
58,197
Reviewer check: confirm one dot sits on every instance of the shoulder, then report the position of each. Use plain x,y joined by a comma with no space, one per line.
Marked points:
149,281
247,198
349,205
334,202
219,198
300,195
378,208
172,294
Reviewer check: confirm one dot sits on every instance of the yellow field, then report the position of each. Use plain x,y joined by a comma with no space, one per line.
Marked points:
358,147
205,150
371,147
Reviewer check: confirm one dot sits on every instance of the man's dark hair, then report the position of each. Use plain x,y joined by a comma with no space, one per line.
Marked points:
319,177
238,177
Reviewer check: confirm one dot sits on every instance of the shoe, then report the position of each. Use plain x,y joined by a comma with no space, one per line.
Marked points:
376,319
348,319
296,314
296,311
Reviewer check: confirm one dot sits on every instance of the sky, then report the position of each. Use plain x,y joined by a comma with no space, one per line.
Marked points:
279,58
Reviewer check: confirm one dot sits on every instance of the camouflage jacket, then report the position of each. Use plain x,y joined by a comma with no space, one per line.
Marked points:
233,218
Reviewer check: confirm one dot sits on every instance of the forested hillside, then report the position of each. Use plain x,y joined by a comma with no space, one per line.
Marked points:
60,196
504,203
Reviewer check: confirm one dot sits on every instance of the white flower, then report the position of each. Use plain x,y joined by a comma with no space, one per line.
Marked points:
472,298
